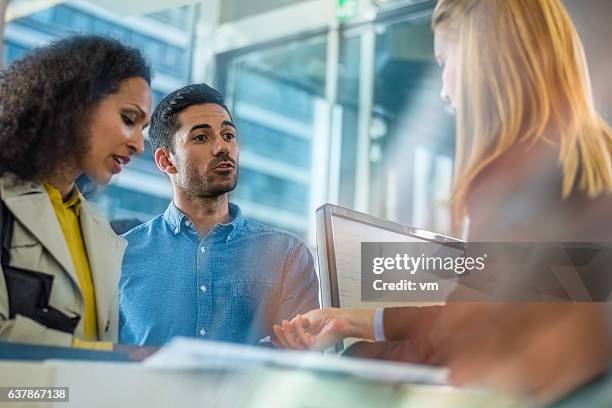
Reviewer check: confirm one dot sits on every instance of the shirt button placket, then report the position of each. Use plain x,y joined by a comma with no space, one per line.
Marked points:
205,301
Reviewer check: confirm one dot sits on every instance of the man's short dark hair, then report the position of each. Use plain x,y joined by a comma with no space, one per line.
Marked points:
165,122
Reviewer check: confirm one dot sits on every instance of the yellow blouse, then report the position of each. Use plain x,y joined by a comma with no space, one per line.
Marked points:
67,213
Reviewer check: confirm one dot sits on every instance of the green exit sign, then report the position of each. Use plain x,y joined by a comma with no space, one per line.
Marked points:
346,9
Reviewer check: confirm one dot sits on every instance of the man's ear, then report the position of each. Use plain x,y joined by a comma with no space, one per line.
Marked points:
164,160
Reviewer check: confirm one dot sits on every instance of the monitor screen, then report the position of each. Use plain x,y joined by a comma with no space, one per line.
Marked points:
340,232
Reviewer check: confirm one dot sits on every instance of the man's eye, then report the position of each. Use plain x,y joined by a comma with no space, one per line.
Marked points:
229,136
199,138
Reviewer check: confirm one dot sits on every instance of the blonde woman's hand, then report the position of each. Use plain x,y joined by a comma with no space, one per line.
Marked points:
322,328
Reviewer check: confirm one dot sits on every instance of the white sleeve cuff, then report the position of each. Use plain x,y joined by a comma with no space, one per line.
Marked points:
379,330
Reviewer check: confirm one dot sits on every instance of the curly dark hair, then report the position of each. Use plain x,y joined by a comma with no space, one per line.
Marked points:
165,122
47,97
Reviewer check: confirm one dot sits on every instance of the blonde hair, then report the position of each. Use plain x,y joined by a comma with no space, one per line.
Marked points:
522,73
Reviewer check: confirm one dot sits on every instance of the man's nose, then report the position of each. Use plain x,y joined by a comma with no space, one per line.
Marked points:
221,148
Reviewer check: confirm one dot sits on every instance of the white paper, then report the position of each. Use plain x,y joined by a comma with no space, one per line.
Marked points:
188,353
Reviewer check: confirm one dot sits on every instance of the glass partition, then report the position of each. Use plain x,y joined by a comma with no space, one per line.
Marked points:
411,130
358,123
276,94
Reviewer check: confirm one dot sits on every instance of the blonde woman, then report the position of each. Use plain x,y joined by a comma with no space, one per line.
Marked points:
533,163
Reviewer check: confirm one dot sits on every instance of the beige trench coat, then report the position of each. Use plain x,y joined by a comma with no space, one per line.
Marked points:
38,244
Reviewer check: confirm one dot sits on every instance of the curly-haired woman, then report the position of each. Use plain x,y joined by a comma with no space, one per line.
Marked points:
77,106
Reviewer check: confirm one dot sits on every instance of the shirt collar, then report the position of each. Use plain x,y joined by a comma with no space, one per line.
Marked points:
73,202
176,220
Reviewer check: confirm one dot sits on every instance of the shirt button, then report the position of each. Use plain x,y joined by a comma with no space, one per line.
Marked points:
187,223
203,288
202,332
203,249
176,231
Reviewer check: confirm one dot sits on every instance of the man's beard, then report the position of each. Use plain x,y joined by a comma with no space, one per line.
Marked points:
197,185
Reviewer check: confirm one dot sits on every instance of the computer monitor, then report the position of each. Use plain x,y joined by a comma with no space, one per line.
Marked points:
340,232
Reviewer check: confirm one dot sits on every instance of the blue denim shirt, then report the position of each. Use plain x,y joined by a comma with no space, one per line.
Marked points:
232,285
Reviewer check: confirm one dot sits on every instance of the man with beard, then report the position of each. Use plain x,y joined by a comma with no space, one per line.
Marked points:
202,269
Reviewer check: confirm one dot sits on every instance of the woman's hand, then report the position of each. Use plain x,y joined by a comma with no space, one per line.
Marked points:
322,328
